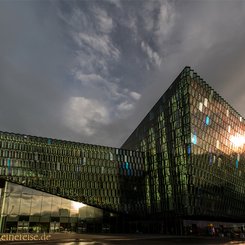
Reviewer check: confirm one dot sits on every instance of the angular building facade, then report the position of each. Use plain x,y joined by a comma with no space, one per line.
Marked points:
184,162
194,143
102,177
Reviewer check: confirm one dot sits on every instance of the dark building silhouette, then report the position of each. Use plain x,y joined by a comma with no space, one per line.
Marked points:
184,162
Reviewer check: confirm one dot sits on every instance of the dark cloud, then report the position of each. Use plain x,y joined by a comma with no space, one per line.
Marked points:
89,71
32,68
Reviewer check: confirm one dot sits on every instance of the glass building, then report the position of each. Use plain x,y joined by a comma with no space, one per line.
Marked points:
102,177
194,145
184,164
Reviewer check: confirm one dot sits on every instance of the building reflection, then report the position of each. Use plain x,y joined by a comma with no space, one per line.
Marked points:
28,210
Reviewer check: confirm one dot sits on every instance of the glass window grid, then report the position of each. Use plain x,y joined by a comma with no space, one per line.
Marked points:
164,172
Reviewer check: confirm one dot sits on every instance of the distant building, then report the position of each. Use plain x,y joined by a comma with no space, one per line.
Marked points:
183,165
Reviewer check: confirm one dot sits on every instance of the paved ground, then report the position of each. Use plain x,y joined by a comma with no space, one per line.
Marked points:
127,239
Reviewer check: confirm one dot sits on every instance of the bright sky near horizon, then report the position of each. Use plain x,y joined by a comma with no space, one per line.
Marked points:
90,70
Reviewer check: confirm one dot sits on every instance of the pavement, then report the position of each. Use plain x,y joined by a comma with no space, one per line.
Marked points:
114,239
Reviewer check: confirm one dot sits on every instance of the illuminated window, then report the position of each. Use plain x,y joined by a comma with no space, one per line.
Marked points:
206,102
111,156
237,163
9,166
217,144
200,106
193,138
207,120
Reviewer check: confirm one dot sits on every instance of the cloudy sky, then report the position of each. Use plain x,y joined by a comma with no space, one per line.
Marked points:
89,71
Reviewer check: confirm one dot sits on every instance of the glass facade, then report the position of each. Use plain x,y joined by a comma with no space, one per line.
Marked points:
100,176
164,137
29,210
184,161
194,145
217,170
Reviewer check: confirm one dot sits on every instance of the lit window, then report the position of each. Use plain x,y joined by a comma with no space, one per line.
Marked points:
217,144
111,156
200,106
214,160
237,163
207,120
9,166
238,157
206,102
193,138
229,129
227,113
